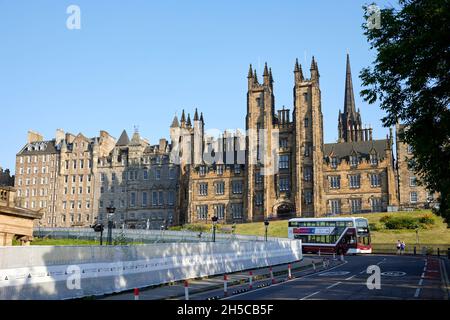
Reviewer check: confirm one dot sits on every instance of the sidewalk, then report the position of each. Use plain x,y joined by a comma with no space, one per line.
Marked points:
176,290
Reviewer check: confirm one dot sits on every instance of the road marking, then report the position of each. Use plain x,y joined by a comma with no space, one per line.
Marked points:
424,269
309,296
334,285
280,283
423,275
336,273
349,278
420,282
393,273
380,262
364,271
416,295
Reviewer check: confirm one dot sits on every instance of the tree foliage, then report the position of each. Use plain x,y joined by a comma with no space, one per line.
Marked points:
410,79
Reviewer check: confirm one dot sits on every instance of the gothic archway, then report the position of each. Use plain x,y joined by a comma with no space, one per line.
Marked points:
284,210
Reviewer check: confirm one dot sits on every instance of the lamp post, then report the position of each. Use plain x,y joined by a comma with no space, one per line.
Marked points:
111,211
214,221
266,224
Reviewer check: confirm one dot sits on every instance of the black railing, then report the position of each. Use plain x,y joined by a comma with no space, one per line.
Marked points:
412,249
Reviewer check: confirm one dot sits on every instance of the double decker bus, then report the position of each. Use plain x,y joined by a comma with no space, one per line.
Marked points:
332,235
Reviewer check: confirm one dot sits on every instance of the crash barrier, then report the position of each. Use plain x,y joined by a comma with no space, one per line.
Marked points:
141,235
64,272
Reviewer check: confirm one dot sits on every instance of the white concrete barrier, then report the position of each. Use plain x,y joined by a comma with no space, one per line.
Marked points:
64,272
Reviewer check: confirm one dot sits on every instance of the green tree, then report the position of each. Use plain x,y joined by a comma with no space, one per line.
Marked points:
410,79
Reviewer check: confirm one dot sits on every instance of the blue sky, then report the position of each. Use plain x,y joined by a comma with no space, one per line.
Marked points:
140,62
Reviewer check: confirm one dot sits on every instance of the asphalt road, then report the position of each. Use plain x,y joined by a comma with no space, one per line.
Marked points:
402,277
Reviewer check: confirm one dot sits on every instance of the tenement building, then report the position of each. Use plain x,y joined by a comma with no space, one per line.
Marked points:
72,179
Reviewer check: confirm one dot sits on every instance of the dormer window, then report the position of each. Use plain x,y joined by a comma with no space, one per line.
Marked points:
334,162
373,159
354,160
202,170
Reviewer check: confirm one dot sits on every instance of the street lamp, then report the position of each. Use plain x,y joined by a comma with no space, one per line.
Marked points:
214,221
266,224
110,211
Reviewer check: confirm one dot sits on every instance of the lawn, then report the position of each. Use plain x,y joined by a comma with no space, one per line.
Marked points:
438,233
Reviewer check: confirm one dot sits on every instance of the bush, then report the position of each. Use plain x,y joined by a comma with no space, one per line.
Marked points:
426,219
393,223
374,226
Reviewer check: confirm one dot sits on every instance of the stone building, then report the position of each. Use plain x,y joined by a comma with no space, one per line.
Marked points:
139,181
5,178
298,175
410,191
72,179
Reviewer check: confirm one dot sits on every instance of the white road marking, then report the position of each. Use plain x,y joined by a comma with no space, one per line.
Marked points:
309,296
364,271
423,275
424,269
416,295
334,285
280,283
380,262
349,278
420,282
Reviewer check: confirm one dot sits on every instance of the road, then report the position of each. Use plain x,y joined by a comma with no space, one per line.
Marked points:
402,277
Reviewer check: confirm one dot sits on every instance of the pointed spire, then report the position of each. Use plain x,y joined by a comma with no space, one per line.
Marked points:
124,140
250,72
298,73
266,72
183,117
349,100
196,115
188,123
313,64
255,76
270,76
175,123
201,117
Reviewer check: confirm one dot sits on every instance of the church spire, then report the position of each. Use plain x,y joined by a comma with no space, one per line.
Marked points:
349,100
250,72
195,115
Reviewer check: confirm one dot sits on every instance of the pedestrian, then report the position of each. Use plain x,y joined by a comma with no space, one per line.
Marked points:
399,246
402,247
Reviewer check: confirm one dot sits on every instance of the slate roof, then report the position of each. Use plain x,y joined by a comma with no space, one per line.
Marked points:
40,147
124,140
363,148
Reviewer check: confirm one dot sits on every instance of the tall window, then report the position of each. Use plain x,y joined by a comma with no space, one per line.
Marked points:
203,189
284,143
355,181
171,199
353,160
409,149
373,159
375,203
308,196
132,199
158,174
375,180
220,187
284,161
355,205
154,198
284,184
202,170
259,199
236,187
237,169
144,199
334,162
258,178
161,198
219,211
219,169
236,210
307,173
145,175
171,173
306,122
202,212
413,197
335,182
335,206
412,181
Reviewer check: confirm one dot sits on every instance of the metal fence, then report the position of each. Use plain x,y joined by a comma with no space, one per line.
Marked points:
418,249
141,236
